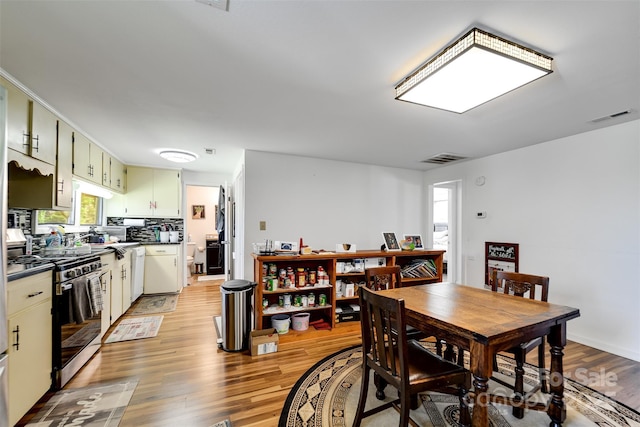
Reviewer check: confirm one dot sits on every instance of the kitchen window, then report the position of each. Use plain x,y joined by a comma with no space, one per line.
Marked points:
87,212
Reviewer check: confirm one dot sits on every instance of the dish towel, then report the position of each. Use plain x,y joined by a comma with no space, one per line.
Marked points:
120,253
95,292
80,307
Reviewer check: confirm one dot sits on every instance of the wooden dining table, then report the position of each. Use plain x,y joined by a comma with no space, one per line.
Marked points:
485,322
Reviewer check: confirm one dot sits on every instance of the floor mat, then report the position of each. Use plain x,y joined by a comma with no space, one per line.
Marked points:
151,304
135,328
99,405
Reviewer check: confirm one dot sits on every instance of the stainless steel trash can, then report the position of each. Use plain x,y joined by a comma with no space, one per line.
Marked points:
237,309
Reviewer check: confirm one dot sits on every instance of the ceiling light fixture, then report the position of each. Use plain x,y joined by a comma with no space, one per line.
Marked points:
178,156
476,68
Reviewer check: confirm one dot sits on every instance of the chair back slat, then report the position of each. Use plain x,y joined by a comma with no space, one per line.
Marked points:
379,278
521,284
383,325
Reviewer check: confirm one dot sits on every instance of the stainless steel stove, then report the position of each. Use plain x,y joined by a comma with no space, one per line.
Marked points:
77,317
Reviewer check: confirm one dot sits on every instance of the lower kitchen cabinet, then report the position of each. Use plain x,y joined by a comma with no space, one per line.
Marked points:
120,286
105,284
161,268
30,342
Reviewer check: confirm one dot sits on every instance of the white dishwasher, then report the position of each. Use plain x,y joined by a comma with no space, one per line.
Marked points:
137,270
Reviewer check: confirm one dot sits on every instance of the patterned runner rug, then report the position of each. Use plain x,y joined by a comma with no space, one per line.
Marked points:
152,304
327,396
99,405
135,328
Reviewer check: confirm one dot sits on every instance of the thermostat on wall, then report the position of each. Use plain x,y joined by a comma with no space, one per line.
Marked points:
482,214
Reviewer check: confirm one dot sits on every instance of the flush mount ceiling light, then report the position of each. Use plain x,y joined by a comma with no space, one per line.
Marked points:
476,68
178,156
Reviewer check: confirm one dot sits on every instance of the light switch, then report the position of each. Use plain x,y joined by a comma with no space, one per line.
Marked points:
263,225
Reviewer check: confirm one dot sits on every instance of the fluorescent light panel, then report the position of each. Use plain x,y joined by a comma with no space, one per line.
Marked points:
475,69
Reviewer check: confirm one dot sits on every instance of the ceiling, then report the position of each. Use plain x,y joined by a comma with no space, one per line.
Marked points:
311,77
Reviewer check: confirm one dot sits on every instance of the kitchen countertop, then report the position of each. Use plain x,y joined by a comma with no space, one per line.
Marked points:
19,271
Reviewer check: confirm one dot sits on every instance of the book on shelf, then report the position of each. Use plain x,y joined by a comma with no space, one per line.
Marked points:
420,268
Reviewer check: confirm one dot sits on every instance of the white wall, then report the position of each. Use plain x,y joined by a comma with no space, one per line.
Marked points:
573,205
327,202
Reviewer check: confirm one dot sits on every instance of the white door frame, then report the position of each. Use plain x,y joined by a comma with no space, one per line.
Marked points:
454,254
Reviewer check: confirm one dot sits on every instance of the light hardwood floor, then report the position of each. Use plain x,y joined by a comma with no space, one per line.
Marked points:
184,379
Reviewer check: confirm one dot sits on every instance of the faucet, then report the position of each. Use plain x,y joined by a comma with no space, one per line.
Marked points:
76,239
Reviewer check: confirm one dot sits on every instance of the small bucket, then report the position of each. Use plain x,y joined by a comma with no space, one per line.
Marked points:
174,236
300,321
281,323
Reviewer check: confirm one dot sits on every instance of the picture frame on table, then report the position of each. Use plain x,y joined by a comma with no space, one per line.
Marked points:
416,239
391,241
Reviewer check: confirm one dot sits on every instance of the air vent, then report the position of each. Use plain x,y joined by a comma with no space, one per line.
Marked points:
612,116
443,158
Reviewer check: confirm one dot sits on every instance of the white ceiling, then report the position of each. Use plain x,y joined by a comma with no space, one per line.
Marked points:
311,77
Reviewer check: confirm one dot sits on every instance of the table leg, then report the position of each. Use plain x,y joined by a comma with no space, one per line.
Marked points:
481,368
557,340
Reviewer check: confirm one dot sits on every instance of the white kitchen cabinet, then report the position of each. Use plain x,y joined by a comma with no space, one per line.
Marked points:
64,166
87,159
117,174
107,261
153,193
161,269
120,286
30,342
31,128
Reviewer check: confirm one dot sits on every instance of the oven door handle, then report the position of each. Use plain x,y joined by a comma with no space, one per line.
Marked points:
66,286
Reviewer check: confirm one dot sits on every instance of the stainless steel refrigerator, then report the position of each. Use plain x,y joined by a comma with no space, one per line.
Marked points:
4,340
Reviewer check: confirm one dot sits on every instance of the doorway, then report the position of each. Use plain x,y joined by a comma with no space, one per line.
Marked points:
444,226
201,233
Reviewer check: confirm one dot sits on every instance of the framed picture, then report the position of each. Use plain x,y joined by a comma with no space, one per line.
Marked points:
391,242
197,212
499,256
416,239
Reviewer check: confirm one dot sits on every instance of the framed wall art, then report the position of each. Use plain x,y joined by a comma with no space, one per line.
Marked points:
499,256
197,212
391,242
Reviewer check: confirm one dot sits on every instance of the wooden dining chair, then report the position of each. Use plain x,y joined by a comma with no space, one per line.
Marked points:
526,286
379,278
402,363
389,277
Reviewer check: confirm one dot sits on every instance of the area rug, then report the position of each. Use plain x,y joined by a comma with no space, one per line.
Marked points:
208,278
98,405
135,328
327,396
225,423
151,304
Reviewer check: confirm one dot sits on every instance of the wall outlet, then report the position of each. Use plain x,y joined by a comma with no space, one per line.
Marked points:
263,225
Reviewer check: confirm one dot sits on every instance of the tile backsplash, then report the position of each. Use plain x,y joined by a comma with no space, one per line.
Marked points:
147,233
135,234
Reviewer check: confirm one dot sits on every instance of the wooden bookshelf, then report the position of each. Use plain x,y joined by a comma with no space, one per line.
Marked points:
421,266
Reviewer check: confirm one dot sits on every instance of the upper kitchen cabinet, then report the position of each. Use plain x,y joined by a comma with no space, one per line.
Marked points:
153,193
87,159
31,131
112,173
64,166
117,174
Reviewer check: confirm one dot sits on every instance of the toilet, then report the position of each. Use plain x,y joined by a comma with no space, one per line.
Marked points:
191,253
